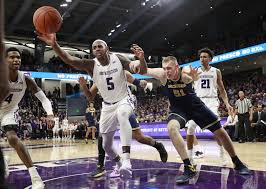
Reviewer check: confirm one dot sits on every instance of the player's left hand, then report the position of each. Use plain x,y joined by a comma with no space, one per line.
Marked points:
82,81
137,50
229,109
143,83
134,67
193,73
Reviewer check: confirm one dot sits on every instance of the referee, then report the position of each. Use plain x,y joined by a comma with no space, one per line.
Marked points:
244,110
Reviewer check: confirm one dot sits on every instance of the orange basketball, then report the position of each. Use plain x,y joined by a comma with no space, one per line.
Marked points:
47,20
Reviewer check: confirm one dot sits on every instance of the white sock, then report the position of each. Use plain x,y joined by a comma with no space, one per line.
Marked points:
125,156
33,172
190,153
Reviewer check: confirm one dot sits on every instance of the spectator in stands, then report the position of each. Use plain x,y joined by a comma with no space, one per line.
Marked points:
259,123
231,125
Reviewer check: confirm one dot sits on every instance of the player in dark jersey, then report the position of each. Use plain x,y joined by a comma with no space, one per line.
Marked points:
185,105
91,127
136,132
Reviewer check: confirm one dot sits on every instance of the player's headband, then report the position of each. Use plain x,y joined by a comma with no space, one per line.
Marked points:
99,40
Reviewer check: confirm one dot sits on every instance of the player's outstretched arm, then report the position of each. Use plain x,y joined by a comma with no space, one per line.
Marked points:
89,93
142,66
157,73
190,74
4,88
46,104
131,79
136,66
81,64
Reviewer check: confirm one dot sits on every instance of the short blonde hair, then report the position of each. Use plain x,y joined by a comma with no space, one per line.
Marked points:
170,59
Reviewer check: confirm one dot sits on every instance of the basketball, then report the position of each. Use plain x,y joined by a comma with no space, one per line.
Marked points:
47,20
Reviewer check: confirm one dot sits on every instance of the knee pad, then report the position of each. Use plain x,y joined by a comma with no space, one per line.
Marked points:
191,127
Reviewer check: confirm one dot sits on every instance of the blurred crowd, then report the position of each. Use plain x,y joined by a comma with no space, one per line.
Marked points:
151,105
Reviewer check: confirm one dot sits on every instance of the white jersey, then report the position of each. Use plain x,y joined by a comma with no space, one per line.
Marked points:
206,85
56,122
65,123
17,91
110,80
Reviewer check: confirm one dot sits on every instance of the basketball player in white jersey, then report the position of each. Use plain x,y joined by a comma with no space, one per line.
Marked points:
4,88
65,128
56,128
107,71
18,83
136,131
207,87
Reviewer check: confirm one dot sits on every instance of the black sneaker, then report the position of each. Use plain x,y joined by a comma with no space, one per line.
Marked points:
189,172
100,171
242,169
163,153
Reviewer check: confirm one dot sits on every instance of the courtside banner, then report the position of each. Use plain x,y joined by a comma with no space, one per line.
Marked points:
67,76
232,55
159,130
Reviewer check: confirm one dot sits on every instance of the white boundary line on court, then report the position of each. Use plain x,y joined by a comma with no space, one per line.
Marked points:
172,169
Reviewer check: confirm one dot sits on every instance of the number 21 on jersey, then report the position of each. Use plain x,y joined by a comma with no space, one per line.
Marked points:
205,83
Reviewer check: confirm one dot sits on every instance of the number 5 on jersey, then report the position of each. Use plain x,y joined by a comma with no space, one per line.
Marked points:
110,84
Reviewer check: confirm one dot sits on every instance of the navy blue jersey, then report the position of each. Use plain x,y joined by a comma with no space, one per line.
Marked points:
179,93
185,105
90,114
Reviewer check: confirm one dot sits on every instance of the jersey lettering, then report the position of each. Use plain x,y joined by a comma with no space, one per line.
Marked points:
9,98
110,84
179,92
205,83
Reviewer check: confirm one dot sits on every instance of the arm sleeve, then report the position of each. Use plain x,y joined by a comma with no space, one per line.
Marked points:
46,104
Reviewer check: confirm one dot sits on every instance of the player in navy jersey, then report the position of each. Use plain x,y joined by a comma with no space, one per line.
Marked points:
184,106
91,127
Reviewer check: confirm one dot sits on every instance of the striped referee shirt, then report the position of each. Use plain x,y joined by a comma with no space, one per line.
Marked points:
243,105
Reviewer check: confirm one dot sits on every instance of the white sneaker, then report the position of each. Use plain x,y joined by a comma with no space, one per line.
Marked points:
125,169
115,172
6,161
37,183
198,154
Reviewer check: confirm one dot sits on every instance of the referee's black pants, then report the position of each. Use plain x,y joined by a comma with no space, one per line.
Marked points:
244,121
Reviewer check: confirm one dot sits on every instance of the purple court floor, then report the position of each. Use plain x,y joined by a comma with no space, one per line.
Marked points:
73,173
